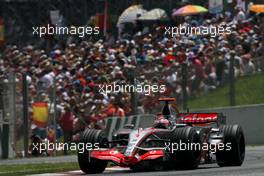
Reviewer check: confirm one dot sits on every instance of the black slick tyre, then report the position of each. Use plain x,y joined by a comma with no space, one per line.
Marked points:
88,164
187,157
234,155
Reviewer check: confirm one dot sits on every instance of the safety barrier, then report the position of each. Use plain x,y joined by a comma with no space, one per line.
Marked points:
250,117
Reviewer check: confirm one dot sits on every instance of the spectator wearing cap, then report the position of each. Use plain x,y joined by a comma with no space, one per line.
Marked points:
240,16
220,66
247,66
114,110
199,75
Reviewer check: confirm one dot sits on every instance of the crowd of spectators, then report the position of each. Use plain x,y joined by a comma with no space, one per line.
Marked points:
77,69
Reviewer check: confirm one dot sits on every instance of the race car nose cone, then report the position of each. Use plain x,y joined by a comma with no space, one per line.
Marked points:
130,160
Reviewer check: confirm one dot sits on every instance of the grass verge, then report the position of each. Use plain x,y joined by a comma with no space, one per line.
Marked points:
26,169
248,90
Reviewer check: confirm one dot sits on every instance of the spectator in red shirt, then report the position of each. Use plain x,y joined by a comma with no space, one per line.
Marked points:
66,123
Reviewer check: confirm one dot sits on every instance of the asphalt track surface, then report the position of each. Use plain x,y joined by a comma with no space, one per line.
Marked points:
252,166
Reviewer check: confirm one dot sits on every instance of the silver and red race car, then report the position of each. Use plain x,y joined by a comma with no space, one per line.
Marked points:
175,141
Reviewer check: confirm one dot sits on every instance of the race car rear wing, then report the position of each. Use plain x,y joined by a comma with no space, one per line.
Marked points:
191,118
202,118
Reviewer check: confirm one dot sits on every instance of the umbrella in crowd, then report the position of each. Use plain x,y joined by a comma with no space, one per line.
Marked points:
131,14
258,8
189,10
154,14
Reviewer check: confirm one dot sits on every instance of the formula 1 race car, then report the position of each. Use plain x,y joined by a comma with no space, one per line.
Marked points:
175,141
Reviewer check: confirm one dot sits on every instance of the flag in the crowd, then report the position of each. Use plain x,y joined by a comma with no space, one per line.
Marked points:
2,39
40,114
99,20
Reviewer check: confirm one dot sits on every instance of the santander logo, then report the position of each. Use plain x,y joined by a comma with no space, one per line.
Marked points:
200,117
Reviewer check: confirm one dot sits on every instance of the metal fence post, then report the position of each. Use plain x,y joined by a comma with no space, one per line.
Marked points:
1,117
25,113
12,111
55,112
132,77
5,141
184,86
1,138
232,81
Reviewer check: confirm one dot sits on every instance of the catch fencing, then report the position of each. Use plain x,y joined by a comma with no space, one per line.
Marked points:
17,98
9,114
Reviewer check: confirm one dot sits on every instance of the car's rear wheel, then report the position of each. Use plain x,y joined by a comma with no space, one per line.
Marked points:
188,153
88,164
235,154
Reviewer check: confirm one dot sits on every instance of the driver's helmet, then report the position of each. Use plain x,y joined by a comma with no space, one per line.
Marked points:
161,122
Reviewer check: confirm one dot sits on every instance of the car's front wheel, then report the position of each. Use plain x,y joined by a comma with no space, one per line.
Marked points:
88,164
188,152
